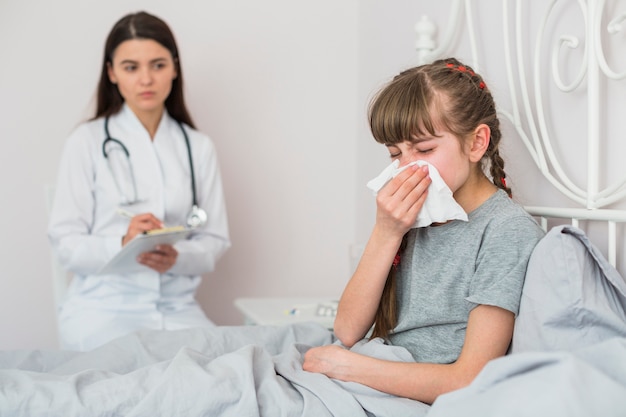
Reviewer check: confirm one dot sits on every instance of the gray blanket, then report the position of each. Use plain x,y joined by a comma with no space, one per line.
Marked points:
257,371
588,382
225,371
570,361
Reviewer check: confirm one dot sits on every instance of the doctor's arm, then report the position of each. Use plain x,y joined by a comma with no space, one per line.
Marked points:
72,214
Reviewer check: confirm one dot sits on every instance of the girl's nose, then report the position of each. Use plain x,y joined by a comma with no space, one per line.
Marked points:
406,159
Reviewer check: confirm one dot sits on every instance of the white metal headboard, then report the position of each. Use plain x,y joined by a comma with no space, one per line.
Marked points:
532,127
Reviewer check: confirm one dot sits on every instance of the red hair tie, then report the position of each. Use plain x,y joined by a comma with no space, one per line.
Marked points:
463,68
396,259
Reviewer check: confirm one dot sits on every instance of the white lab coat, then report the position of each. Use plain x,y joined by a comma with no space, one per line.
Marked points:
86,230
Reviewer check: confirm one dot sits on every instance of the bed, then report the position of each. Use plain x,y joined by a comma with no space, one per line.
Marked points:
568,356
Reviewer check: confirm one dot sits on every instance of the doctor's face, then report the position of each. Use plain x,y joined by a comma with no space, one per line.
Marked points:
143,70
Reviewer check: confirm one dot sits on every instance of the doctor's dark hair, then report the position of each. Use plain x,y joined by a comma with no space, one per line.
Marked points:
444,94
140,25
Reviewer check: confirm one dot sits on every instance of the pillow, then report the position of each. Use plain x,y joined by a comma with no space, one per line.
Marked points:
572,297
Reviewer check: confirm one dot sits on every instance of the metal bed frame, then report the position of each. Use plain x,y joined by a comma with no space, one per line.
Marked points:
532,127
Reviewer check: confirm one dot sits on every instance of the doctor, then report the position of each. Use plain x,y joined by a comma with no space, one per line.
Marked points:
140,156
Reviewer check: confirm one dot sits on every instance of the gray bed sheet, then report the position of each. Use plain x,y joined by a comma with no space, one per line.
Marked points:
590,382
257,371
568,360
224,371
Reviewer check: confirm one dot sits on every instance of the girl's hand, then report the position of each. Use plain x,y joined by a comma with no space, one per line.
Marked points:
329,360
139,224
161,259
400,201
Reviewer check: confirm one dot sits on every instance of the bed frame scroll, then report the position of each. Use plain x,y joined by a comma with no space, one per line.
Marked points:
543,63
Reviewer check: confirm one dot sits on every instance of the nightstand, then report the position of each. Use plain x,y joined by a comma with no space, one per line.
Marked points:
287,310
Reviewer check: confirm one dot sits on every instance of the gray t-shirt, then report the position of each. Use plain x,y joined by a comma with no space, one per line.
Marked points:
447,270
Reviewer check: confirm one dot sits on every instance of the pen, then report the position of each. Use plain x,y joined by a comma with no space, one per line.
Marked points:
130,215
125,213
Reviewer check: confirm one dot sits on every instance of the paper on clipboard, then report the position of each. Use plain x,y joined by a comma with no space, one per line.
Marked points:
125,261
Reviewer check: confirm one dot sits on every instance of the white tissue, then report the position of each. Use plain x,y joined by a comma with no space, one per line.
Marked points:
439,206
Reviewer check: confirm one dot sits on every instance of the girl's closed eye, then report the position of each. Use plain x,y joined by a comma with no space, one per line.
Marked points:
394,152
424,146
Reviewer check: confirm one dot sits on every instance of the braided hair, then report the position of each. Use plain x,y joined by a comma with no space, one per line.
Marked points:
445,93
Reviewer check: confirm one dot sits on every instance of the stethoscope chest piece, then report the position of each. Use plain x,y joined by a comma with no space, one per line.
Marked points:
197,217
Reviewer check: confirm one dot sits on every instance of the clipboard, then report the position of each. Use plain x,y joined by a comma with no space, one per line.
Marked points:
125,261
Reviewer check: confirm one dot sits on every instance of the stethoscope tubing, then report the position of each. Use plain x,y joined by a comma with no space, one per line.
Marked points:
123,147
193,176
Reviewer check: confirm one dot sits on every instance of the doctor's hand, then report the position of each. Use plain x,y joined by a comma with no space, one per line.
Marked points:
400,201
139,224
161,259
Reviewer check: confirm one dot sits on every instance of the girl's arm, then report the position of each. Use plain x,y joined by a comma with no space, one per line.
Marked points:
398,204
489,332
360,298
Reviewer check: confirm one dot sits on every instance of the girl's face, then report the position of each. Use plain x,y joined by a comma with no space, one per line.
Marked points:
442,151
143,70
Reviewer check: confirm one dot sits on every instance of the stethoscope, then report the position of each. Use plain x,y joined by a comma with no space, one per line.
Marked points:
197,216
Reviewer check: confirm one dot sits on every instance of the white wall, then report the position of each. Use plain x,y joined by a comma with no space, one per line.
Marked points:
272,82
282,87
386,46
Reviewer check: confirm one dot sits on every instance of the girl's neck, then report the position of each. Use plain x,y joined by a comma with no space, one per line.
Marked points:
474,193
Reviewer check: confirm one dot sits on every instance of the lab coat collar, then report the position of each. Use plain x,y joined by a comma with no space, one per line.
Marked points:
129,117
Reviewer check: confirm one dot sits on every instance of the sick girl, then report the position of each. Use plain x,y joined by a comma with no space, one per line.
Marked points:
448,292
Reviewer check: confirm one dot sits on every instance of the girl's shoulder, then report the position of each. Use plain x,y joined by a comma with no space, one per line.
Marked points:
519,222
500,205
502,211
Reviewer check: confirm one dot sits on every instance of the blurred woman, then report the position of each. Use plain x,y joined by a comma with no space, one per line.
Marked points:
138,165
